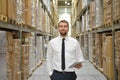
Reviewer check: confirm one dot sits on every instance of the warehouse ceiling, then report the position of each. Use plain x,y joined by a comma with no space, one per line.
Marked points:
64,3
64,6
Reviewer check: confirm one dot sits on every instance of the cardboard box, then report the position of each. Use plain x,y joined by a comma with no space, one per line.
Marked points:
116,9
117,49
28,12
109,46
110,69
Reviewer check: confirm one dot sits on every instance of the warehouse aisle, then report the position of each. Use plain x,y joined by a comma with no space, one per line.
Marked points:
88,72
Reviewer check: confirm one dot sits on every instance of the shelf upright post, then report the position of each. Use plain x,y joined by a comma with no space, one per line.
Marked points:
113,41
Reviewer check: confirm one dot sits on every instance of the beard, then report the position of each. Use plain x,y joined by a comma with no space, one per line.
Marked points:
63,34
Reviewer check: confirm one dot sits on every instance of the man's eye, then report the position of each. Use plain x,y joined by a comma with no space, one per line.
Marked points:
65,26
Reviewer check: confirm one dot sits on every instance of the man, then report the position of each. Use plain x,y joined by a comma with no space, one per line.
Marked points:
62,52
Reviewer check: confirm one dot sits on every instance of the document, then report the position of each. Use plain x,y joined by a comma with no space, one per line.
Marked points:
75,63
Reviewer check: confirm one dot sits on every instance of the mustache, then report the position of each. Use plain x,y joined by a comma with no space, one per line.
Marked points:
63,34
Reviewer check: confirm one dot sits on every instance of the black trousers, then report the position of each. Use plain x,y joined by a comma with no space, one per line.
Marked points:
63,75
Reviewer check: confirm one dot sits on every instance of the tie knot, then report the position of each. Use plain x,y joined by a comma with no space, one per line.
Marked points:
63,39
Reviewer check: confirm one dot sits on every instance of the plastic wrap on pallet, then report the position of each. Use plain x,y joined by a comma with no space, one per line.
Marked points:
19,11
33,2
99,12
86,54
32,55
37,14
84,3
90,46
83,23
77,27
39,47
116,10
41,19
87,20
13,57
25,61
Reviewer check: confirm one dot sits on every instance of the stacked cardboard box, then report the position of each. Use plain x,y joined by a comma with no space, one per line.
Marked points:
99,13
77,27
8,8
98,51
41,18
13,57
40,46
104,53
108,65
11,9
86,46
117,50
32,55
116,10
25,55
3,5
107,6
0,7
110,58
92,14
85,17
93,48
90,46
17,64
25,62
79,6
27,12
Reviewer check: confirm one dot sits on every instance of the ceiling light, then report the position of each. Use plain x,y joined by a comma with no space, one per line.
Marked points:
68,3
65,2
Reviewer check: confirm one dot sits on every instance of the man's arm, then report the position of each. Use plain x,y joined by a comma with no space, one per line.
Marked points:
79,56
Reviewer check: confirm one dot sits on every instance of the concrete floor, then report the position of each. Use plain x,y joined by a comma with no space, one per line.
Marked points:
88,72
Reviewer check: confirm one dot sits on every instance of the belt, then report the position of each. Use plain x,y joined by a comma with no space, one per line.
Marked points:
64,71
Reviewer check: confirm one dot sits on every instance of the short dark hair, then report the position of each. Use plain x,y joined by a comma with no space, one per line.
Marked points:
64,22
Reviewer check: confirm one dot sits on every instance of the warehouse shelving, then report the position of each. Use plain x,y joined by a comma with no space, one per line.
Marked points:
37,36
5,26
105,28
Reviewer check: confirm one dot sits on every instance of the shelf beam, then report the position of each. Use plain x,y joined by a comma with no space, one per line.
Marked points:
5,26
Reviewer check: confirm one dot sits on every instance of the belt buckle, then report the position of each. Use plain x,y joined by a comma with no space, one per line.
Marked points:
63,71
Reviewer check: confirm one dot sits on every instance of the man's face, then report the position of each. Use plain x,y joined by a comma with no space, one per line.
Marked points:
63,28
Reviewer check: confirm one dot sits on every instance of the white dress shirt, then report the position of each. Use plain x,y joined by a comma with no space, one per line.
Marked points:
73,54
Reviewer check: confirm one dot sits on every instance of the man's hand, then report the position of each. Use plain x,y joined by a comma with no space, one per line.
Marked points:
78,66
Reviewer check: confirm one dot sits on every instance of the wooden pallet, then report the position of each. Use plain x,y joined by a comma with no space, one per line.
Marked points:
116,21
12,21
108,24
3,18
19,24
94,28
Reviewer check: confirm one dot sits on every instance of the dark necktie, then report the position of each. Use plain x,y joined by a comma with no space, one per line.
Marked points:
63,54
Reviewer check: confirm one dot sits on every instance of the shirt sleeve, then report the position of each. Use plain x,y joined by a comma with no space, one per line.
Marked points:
49,59
79,54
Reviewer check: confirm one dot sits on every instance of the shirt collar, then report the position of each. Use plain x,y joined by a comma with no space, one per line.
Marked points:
66,38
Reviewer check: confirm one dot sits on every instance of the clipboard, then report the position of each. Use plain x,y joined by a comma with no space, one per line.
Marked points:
75,63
